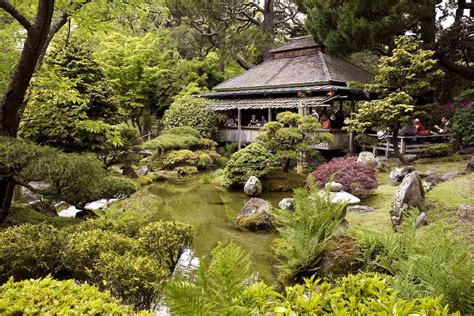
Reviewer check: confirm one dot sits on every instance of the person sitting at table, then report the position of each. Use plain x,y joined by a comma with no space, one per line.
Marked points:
263,121
325,121
230,122
443,128
315,114
420,128
254,121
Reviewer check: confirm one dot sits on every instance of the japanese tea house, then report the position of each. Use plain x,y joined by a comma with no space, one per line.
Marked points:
300,77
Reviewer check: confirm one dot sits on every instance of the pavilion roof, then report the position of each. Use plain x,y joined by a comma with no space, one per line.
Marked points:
301,62
277,103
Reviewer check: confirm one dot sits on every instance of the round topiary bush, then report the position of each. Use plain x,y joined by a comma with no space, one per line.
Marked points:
357,178
253,160
50,297
29,251
191,111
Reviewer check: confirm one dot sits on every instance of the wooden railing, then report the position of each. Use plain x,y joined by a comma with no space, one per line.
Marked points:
406,144
248,134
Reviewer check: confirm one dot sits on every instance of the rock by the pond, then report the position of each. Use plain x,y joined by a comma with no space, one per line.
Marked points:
253,187
342,197
421,220
466,213
470,165
410,194
450,175
397,174
410,157
287,204
255,215
360,209
161,175
333,186
367,157
142,171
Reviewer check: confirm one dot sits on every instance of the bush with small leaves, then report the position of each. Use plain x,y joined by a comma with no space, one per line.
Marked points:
29,251
357,178
137,280
51,297
463,126
191,111
438,150
253,160
83,249
166,241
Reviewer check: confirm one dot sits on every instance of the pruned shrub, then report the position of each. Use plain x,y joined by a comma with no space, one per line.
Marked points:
51,297
83,249
137,280
357,178
253,160
463,126
191,111
438,150
29,251
166,241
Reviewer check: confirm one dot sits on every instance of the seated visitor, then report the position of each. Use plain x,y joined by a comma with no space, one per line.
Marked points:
325,121
315,114
420,128
263,121
230,122
254,121
443,128
339,118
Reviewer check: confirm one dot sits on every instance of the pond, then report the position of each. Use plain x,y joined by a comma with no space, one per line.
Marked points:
212,211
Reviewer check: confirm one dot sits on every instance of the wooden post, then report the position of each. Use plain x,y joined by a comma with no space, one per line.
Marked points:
270,114
403,146
239,129
387,149
351,135
299,165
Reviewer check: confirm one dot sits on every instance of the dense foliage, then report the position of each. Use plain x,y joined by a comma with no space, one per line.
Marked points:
224,285
463,126
190,111
288,138
304,233
357,178
74,178
253,160
407,73
425,263
131,264
48,296
438,150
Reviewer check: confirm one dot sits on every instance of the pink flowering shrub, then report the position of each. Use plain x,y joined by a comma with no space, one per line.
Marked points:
357,178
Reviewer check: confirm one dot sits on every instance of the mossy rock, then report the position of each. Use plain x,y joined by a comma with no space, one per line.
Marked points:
279,181
339,257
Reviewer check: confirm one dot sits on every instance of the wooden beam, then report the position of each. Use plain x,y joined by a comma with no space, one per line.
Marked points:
351,135
239,129
270,115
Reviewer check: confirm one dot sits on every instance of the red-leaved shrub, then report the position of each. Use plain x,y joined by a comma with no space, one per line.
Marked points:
357,178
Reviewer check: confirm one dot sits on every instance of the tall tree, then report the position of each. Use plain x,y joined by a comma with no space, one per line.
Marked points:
355,25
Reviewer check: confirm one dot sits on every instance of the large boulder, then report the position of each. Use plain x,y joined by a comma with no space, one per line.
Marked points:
255,215
339,257
410,194
253,187
397,174
287,204
367,157
450,175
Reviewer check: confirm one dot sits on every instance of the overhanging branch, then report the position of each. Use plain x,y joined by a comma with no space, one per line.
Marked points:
5,5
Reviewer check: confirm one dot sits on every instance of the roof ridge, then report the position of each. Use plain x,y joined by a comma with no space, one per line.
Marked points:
325,66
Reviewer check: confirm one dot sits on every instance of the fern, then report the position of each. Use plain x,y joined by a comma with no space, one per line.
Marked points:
217,287
305,233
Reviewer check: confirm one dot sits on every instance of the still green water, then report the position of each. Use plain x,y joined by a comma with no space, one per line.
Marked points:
212,211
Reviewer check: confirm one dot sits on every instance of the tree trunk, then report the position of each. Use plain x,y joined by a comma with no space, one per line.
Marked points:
268,25
286,165
146,117
7,187
396,150
15,95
